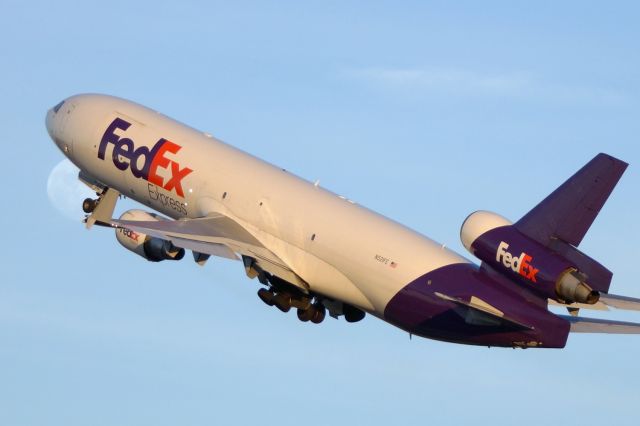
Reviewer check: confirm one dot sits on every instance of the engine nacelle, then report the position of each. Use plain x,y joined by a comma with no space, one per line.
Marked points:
492,239
151,248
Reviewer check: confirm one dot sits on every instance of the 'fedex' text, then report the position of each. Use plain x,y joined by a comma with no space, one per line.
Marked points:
144,162
520,265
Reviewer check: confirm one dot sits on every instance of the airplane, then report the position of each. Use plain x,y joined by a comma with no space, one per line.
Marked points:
318,252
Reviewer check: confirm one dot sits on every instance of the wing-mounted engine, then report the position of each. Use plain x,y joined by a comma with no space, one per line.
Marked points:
151,248
495,241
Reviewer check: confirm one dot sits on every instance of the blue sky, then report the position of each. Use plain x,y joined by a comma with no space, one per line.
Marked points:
423,111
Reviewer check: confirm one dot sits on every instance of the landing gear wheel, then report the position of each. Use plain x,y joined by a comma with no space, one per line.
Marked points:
89,205
319,313
266,296
305,315
282,302
352,314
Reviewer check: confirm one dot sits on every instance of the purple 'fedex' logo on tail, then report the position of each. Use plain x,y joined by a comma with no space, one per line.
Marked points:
154,158
520,265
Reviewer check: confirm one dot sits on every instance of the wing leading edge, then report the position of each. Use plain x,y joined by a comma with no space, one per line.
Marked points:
216,235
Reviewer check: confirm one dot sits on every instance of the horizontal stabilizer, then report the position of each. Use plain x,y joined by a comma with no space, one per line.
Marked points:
620,302
605,302
593,325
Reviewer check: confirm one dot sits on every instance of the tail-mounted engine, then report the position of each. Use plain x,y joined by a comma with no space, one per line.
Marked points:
495,241
151,248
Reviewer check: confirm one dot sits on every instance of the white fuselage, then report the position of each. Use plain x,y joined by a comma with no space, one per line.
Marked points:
340,249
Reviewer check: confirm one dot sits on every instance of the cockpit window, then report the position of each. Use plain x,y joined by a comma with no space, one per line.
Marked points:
57,107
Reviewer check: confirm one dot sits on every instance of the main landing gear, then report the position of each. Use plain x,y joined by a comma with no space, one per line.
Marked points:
315,313
284,301
284,296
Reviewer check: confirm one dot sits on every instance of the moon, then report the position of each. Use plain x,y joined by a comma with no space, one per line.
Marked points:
65,190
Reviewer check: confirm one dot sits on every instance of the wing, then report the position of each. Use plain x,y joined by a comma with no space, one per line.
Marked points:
216,235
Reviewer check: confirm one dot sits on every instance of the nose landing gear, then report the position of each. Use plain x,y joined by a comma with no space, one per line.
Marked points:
89,205
101,209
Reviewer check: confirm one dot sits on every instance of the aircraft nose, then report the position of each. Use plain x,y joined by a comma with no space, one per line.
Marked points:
49,122
53,122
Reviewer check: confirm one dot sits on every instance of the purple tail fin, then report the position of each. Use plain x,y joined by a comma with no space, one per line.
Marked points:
561,220
568,212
